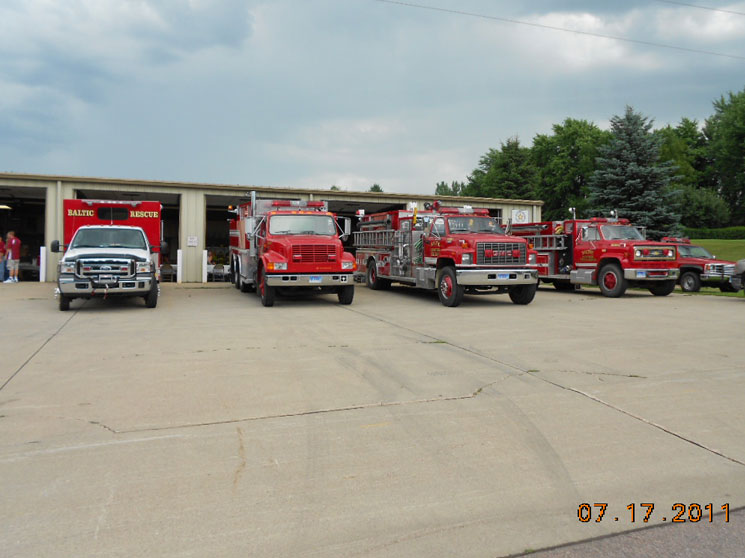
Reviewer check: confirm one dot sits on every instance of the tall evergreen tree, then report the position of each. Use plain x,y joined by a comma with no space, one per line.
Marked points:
631,180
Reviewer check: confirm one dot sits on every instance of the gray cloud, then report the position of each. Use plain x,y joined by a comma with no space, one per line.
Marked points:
332,91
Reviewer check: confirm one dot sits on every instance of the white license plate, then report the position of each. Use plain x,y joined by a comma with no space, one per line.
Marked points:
503,275
641,274
316,279
105,279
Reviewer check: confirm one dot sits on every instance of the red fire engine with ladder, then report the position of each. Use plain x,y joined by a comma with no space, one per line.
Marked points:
607,252
285,244
454,250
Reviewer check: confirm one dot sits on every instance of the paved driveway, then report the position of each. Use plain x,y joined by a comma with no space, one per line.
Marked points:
211,426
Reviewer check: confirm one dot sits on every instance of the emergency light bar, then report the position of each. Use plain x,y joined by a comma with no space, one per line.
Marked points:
297,203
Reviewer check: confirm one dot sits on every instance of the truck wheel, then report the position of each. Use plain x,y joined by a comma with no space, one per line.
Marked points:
242,285
727,287
373,281
448,289
690,282
236,276
562,285
663,288
151,299
346,294
64,303
611,281
266,292
524,294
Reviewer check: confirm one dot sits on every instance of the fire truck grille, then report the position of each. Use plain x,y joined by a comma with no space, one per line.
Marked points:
501,253
313,253
99,266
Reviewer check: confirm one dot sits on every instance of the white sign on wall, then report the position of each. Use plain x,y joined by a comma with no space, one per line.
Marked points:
520,216
192,241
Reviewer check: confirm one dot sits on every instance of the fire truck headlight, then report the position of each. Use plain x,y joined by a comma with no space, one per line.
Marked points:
279,266
638,253
670,253
466,259
531,258
347,265
143,267
67,267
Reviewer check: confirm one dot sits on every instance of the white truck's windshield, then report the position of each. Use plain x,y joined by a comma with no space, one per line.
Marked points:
473,224
621,232
302,224
109,238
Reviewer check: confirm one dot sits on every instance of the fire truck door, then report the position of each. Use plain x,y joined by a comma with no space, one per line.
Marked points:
585,244
433,239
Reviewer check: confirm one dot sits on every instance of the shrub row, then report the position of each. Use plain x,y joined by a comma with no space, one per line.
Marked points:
726,233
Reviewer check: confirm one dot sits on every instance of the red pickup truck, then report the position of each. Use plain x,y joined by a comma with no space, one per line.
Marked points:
699,267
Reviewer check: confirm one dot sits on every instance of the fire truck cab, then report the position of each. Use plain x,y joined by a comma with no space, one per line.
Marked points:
610,253
112,248
454,250
284,244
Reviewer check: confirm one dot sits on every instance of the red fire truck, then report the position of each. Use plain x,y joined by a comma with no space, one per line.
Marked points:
454,250
284,244
610,253
112,248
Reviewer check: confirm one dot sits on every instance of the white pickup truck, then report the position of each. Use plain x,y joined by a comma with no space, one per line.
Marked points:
107,261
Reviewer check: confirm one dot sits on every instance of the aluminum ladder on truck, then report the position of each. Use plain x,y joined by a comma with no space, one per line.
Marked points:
545,242
375,239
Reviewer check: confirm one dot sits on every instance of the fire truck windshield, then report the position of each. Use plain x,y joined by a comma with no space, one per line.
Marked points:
302,224
473,225
109,238
621,232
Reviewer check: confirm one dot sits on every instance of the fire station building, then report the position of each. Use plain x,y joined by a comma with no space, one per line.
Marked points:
195,215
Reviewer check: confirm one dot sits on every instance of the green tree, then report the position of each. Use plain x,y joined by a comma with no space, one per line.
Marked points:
454,189
565,161
335,188
685,147
725,131
375,188
630,178
508,172
702,208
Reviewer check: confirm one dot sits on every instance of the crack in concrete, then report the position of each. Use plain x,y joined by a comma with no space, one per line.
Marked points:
645,421
44,344
301,413
589,396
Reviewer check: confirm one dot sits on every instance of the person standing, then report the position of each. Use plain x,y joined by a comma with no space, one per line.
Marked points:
13,247
2,258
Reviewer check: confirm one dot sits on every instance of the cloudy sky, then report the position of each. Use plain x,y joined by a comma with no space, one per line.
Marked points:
311,93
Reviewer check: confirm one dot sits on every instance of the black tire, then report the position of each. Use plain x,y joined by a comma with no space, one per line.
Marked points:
241,285
151,298
236,276
373,281
64,303
663,288
346,294
265,292
562,285
727,287
448,289
690,282
611,281
524,294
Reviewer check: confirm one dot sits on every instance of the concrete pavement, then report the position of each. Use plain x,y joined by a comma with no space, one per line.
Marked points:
211,426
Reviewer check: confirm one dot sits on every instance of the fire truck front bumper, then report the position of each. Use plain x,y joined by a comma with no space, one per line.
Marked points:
309,280
496,277
645,274
78,287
